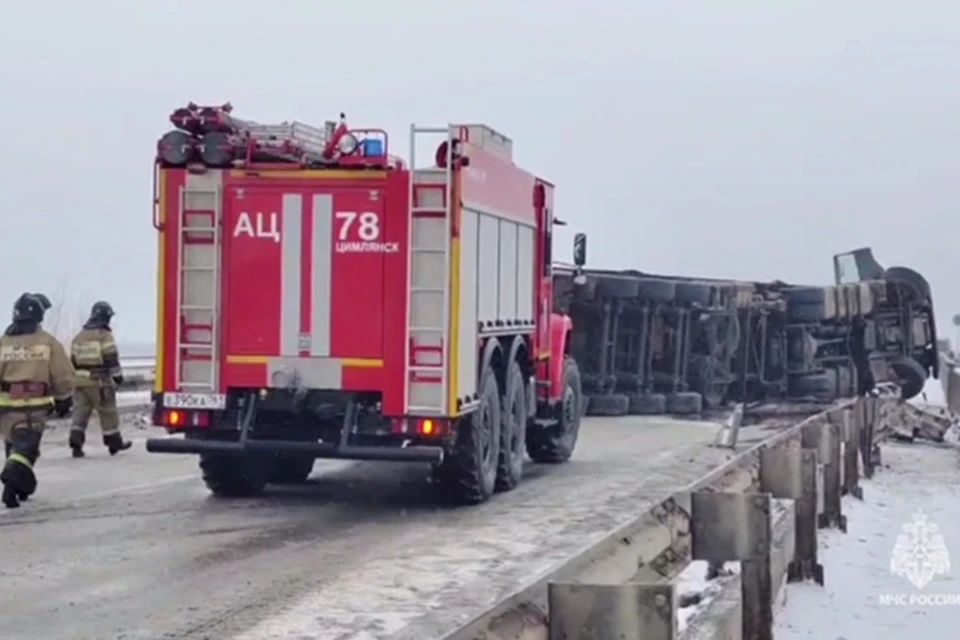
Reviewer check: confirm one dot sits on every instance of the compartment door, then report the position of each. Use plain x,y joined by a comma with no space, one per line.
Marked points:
261,271
355,271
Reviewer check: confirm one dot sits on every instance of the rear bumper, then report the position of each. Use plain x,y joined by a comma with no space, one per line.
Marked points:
317,450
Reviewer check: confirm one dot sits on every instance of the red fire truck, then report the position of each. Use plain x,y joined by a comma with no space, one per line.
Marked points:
321,298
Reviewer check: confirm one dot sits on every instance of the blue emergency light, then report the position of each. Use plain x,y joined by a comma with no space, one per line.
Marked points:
372,147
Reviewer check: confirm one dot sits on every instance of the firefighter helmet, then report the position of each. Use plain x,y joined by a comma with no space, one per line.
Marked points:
101,312
43,300
28,308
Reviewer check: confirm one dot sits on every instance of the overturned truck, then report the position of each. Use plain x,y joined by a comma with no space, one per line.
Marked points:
651,344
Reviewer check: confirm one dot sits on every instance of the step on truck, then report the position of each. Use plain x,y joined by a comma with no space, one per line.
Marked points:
319,297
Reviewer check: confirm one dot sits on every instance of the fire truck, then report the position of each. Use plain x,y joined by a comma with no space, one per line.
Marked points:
319,297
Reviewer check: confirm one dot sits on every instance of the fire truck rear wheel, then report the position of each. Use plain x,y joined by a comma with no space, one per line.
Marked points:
468,474
556,443
513,428
291,469
234,476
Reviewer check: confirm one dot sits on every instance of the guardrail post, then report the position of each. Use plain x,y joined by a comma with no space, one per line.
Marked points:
832,515
737,526
868,407
594,611
792,473
812,437
851,451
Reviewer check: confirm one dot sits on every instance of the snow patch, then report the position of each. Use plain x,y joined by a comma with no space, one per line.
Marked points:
695,591
855,602
932,395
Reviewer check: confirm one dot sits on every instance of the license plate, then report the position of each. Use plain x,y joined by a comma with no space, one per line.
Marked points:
195,400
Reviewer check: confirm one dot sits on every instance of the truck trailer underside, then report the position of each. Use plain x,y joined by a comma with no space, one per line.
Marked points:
650,344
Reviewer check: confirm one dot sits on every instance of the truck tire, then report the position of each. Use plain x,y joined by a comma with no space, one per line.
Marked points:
232,476
695,293
556,443
609,404
648,404
513,429
291,469
629,382
909,277
657,290
685,403
805,304
911,376
614,287
468,473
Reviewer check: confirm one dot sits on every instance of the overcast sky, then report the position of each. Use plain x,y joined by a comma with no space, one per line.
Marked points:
741,139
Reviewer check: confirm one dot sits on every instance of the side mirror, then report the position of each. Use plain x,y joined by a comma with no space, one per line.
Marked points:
580,249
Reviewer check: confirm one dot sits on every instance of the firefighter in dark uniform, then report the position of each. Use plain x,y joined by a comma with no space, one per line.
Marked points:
97,362
36,379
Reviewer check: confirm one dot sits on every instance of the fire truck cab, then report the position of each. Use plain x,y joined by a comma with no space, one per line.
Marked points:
321,298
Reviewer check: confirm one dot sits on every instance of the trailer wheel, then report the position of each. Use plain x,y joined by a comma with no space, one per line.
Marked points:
617,287
647,404
695,293
911,376
513,429
468,474
685,403
657,290
233,476
609,404
556,443
291,469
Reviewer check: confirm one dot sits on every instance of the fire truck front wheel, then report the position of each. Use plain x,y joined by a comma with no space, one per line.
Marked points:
556,442
468,473
233,476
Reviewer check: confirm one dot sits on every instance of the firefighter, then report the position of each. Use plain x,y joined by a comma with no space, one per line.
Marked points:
42,299
36,379
97,362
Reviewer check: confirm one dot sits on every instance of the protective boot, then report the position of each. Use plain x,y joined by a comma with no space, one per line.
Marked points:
115,443
76,441
18,483
10,500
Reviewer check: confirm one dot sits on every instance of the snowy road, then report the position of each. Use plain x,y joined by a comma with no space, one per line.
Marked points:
133,547
862,598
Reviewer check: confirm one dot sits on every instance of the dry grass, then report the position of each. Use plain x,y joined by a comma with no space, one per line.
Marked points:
67,313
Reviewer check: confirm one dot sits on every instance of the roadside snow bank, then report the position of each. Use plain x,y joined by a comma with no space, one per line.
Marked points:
863,599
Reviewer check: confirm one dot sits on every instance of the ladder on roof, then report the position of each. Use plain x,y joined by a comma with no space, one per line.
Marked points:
198,288
428,325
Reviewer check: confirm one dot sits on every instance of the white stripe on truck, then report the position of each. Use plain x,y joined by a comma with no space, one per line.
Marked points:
291,225
322,268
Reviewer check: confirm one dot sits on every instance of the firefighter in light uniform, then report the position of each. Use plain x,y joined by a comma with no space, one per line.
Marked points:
97,362
36,379
42,299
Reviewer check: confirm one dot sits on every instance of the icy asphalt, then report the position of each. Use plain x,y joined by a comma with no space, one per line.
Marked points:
133,547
